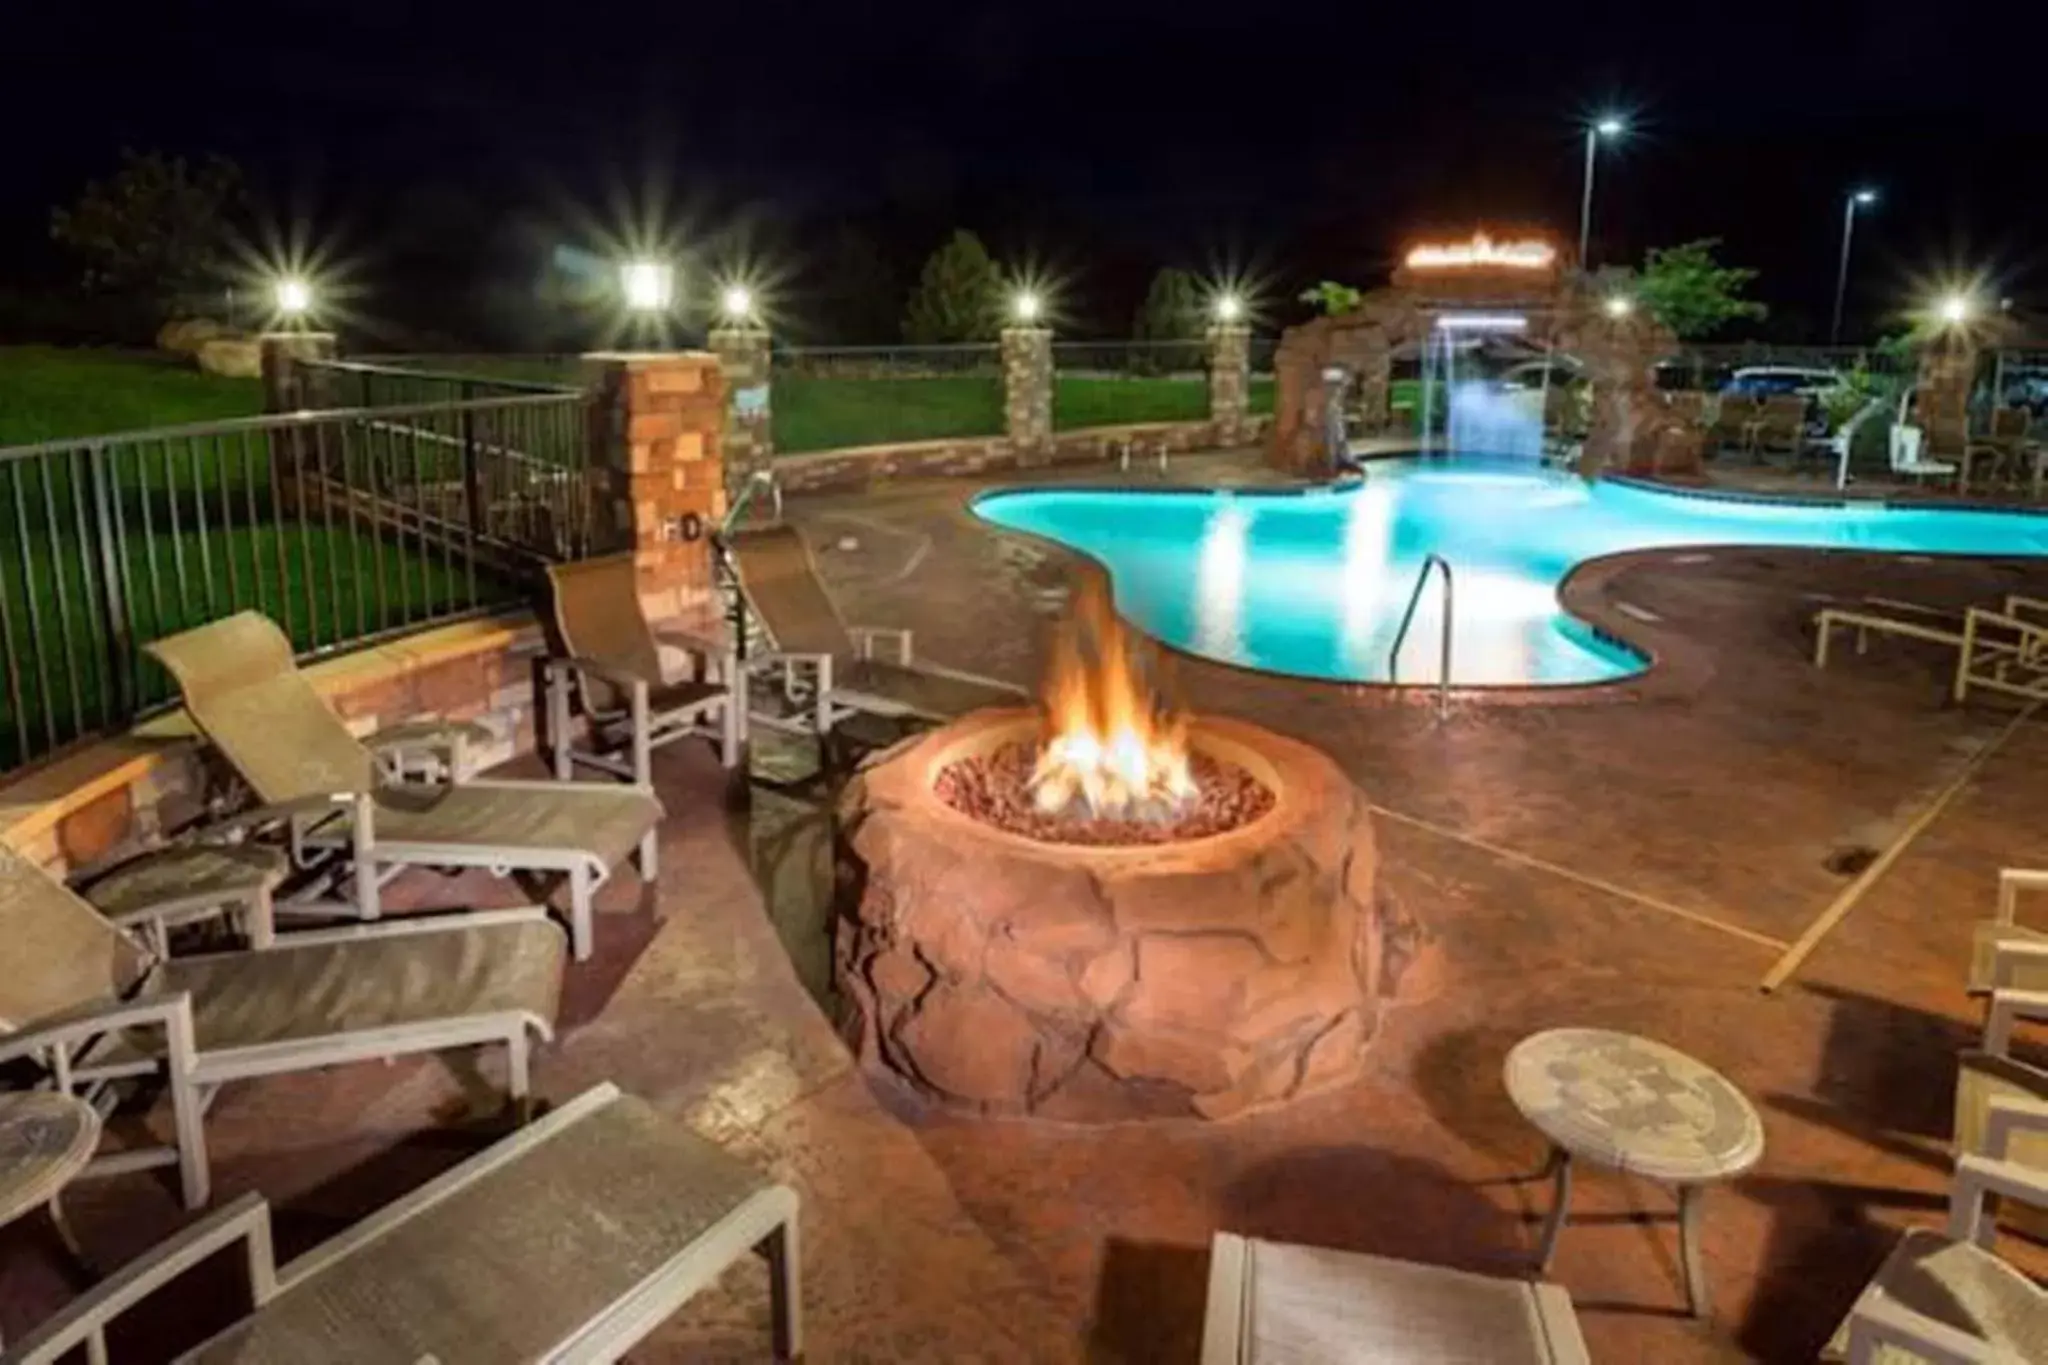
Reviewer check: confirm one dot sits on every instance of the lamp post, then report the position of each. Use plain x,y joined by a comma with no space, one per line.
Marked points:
1854,200
1609,126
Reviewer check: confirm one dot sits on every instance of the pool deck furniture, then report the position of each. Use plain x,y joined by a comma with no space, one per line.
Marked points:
2004,953
186,883
1992,1085
1909,620
337,809
1734,416
613,673
46,1139
86,1006
1947,1297
1638,1107
1910,458
1780,426
1299,1305
2003,653
571,1240
832,667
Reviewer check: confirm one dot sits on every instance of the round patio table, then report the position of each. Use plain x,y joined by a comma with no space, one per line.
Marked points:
46,1139
1639,1107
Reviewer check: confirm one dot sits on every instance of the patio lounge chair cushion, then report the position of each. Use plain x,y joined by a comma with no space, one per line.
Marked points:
319,990
605,822
782,585
1307,1305
514,1263
59,954
1961,1286
244,691
942,696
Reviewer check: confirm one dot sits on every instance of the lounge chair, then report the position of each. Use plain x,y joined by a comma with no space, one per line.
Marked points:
86,1002
1734,417
614,670
321,783
1780,426
1273,1301
831,665
2004,953
1990,1078
1909,457
1906,619
2002,652
571,1240
1948,1298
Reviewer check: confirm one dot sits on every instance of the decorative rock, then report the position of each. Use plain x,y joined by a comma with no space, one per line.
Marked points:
231,357
184,336
1206,977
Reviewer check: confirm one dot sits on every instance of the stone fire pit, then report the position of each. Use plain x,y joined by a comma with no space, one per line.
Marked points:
1002,974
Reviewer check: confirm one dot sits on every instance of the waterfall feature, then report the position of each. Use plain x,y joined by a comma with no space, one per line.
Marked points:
1481,416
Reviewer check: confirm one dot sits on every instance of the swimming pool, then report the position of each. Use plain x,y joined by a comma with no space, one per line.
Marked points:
1313,583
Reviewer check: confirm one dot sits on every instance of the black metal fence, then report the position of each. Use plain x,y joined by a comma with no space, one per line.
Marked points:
888,362
343,526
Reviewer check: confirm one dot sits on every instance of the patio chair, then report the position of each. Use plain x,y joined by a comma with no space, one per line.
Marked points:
833,665
2004,953
614,671
1990,1079
1909,620
1909,457
1734,417
571,1240
1275,1301
83,1002
1947,1297
1780,426
2003,653
319,782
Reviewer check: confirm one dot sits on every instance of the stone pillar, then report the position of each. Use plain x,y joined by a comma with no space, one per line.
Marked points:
658,422
1948,369
743,353
287,385
1230,381
1027,392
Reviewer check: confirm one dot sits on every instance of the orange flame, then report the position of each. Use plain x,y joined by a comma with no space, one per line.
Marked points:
1110,743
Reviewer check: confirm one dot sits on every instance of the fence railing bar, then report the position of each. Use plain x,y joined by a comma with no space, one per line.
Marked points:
17,708
327,539
227,522
199,525
35,612
293,453
57,558
117,695
255,521
184,580
156,598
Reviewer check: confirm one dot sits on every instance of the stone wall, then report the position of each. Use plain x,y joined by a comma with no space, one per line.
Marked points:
1027,390
113,798
749,443
1230,380
864,466
659,426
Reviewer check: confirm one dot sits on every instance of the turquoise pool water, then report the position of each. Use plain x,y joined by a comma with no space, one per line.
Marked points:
1313,584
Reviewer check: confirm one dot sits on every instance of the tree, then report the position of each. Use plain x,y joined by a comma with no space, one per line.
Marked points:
1690,292
1172,310
1333,297
158,228
956,295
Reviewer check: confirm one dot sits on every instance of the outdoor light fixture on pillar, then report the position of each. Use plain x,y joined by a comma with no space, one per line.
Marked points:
1619,306
1607,128
1230,364
648,286
1027,378
1854,200
291,299
740,342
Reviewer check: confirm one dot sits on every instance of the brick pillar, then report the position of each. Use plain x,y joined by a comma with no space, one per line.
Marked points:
1948,369
743,354
1230,381
1027,391
287,385
658,425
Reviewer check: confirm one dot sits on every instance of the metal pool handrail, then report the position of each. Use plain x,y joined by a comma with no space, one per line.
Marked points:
1443,680
759,479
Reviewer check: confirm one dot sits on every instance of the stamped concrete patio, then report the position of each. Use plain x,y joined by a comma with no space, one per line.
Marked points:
1637,864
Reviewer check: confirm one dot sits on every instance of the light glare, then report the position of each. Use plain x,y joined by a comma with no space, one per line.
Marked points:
1865,197
1955,308
1610,126
1229,308
1482,322
294,297
1026,306
648,285
738,302
1482,250
1620,306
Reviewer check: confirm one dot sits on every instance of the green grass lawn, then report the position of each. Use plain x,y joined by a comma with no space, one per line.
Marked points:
826,413
1088,401
48,393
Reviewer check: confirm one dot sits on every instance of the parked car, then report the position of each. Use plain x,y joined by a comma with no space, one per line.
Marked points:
1769,381
1528,375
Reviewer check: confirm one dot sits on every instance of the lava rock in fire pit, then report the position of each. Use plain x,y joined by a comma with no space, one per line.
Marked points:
995,789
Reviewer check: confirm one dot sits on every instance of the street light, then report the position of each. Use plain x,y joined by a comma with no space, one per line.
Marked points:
649,286
294,297
1855,199
1954,309
1606,126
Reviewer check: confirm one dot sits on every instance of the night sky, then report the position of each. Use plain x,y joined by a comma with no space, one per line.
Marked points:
444,151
